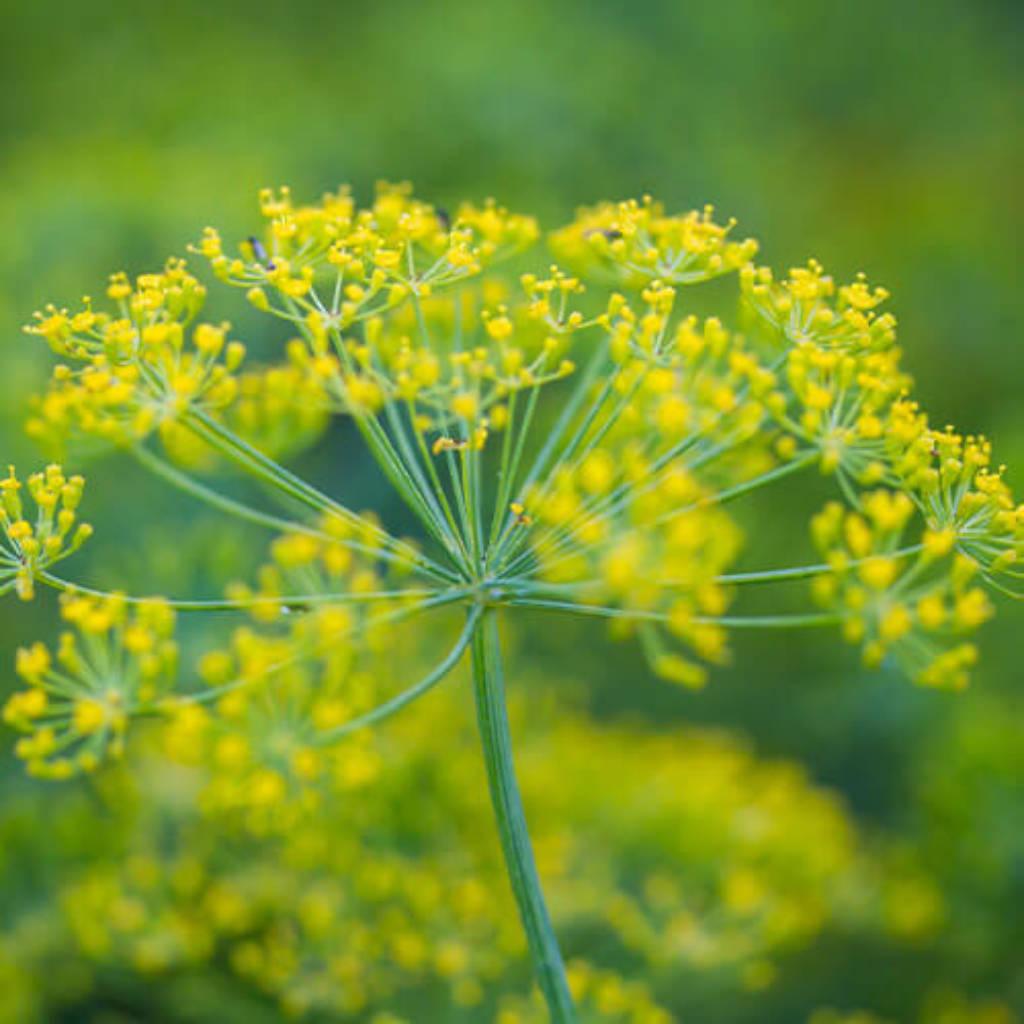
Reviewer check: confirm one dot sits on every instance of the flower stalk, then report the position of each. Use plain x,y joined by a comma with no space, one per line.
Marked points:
496,740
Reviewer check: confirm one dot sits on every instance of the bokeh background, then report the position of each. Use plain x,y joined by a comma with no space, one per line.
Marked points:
876,136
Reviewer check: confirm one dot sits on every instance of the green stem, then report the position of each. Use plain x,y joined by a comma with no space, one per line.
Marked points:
492,718
396,703
293,601
796,621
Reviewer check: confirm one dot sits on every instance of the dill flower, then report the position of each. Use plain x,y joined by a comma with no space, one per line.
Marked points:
569,438
135,366
917,601
31,545
115,662
636,242
282,410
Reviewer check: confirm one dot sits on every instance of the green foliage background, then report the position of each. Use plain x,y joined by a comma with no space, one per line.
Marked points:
882,137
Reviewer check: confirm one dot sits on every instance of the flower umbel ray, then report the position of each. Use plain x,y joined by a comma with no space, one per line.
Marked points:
569,437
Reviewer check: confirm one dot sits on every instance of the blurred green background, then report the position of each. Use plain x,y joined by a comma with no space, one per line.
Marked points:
876,136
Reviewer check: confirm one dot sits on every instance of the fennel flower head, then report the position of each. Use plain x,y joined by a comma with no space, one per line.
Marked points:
568,435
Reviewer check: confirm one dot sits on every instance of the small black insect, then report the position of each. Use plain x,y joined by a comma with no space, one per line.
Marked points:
444,217
259,252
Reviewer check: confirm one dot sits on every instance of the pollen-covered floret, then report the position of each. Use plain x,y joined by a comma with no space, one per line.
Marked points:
117,661
31,543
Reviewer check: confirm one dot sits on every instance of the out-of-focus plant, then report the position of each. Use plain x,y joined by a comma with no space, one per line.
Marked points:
675,852
568,443
940,1004
942,1007
670,854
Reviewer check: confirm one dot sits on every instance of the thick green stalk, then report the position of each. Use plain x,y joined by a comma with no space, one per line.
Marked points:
492,718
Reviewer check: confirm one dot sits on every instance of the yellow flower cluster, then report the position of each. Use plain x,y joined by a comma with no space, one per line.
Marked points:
732,916
665,577
838,402
142,373
759,902
612,502
281,410
840,366
629,511
117,661
451,366
288,685
959,492
29,546
140,366
637,242
808,307
356,263
392,892
917,602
